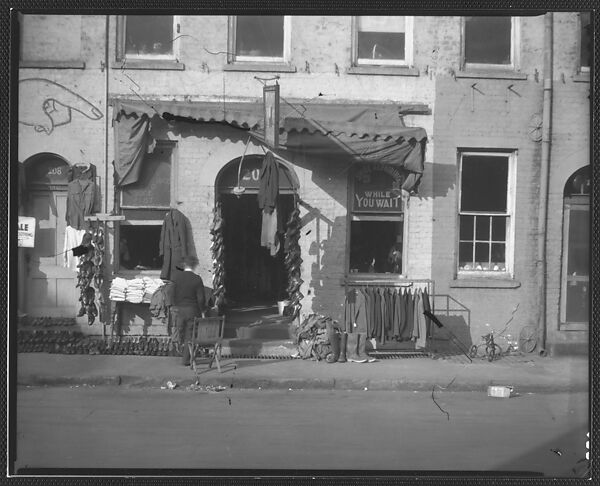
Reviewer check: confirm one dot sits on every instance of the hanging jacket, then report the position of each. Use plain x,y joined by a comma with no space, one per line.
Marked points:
268,188
173,245
81,194
158,303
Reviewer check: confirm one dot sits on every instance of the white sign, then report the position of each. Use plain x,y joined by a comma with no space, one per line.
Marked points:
26,232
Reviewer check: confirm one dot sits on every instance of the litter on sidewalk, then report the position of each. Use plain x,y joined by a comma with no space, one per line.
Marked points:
500,391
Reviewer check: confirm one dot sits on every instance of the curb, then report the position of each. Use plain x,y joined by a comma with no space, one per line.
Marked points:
289,383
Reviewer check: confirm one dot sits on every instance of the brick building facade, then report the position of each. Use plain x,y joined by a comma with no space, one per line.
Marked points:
474,106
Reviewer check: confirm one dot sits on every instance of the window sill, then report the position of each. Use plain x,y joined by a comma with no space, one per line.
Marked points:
131,274
581,78
270,67
491,282
384,70
573,326
374,279
491,74
52,64
157,64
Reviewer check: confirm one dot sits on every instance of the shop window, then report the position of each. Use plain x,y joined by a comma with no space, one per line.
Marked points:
575,281
383,40
144,205
152,37
490,42
376,229
585,42
260,38
485,213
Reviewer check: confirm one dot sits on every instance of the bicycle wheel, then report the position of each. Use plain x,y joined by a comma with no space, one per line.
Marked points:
473,351
528,339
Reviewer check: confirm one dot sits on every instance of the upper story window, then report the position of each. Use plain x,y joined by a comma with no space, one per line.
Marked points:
383,40
486,210
490,42
149,37
260,38
586,42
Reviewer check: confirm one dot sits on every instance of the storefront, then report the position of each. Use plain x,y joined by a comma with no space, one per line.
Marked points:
359,159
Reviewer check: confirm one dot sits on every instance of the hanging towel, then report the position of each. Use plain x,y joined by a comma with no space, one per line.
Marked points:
73,238
268,233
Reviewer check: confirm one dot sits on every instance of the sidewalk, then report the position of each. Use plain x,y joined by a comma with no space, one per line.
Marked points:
527,373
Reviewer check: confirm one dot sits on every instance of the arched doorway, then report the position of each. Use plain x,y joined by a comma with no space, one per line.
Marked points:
253,275
49,287
575,275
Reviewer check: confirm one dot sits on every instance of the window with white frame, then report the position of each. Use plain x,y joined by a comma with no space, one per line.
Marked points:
144,205
260,38
585,42
148,37
486,207
383,40
491,42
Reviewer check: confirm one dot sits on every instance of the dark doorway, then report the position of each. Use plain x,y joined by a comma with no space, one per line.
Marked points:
252,275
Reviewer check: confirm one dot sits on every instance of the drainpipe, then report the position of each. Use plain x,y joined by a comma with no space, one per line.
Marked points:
106,118
544,176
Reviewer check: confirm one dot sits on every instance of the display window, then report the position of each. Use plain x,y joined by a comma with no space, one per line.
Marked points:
376,228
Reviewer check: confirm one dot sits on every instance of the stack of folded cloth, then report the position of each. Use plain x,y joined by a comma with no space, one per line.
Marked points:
151,285
135,290
118,289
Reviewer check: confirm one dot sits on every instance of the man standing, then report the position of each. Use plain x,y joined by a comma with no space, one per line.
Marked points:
188,302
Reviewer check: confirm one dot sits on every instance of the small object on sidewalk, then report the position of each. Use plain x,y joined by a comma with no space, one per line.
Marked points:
500,391
556,451
171,385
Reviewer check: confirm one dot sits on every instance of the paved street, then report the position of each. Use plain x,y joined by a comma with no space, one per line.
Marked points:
119,427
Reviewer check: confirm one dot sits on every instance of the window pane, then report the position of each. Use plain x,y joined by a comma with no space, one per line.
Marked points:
466,227
482,230
499,228
579,243
154,186
484,183
465,256
487,40
381,37
578,302
259,36
498,256
149,34
138,247
376,246
482,256
586,40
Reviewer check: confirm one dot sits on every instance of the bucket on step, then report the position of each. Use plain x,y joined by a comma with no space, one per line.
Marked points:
281,305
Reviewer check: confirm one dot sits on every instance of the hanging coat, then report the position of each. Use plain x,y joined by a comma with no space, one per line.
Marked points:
368,306
420,325
268,188
173,245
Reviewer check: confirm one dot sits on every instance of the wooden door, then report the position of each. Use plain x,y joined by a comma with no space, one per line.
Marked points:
50,286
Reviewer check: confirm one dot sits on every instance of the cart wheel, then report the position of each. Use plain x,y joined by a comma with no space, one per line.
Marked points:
528,339
473,351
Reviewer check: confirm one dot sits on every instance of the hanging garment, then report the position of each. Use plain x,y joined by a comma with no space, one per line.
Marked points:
81,172
410,320
173,244
401,313
368,305
81,194
390,313
73,238
427,307
406,328
395,333
421,338
355,318
384,316
268,233
268,188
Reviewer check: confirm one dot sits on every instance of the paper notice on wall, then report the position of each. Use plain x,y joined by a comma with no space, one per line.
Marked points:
26,232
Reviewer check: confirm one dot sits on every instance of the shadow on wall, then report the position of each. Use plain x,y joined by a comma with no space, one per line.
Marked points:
131,315
456,324
327,270
443,179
